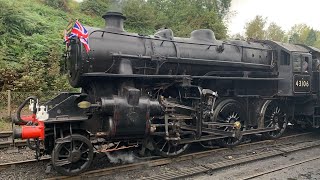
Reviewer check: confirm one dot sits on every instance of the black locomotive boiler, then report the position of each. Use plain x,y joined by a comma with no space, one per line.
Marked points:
161,93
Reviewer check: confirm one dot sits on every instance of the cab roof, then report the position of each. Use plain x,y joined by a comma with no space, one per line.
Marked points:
289,47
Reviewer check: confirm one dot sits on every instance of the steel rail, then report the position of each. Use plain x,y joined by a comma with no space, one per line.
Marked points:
164,161
229,163
280,168
10,164
17,143
5,134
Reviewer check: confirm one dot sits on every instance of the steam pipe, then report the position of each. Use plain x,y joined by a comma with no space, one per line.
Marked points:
23,121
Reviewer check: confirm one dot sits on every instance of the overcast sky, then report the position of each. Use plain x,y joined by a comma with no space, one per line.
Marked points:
285,13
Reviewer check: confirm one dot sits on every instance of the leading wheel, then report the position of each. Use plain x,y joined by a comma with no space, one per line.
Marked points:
230,111
275,116
72,155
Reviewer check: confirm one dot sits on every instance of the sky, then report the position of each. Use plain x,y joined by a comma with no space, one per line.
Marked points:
285,13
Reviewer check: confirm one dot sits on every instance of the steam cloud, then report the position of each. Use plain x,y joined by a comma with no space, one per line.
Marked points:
116,6
119,157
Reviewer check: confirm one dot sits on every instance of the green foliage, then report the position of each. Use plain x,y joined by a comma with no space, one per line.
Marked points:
95,7
8,76
299,33
5,124
141,21
31,32
184,16
61,4
311,38
255,28
275,33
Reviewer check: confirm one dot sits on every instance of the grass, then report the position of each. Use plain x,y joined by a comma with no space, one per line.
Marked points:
5,124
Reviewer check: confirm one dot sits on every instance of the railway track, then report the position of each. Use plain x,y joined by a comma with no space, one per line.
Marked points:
280,168
10,164
17,143
190,172
7,135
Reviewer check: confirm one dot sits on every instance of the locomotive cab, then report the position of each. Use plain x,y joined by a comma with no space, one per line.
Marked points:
295,69
302,72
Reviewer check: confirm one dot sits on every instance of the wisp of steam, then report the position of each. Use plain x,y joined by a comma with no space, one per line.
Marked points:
121,157
116,6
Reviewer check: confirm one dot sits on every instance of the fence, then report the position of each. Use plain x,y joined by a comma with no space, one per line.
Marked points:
10,100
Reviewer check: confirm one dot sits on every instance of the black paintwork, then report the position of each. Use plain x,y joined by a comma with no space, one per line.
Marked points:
140,86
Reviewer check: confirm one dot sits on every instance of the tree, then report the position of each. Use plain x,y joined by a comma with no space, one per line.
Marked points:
142,21
28,43
61,4
275,33
255,28
299,33
95,7
222,6
317,43
311,38
184,16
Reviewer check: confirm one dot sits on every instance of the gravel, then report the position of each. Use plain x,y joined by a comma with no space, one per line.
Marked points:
37,170
16,154
310,170
216,157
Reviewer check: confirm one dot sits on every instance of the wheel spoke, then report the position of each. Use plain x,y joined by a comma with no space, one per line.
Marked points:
71,145
268,116
66,149
164,145
269,124
85,159
158,142
81,146
169,147
86,151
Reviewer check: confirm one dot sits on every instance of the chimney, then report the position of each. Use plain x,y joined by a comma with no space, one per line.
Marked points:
114,21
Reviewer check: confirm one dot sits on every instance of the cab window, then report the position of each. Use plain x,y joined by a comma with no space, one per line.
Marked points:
297,63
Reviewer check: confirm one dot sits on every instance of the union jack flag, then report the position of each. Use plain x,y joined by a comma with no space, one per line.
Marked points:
79,31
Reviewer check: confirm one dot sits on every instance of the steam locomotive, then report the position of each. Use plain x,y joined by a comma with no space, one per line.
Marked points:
161,93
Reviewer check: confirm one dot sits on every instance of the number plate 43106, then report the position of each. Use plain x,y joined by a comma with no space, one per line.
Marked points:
301,83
